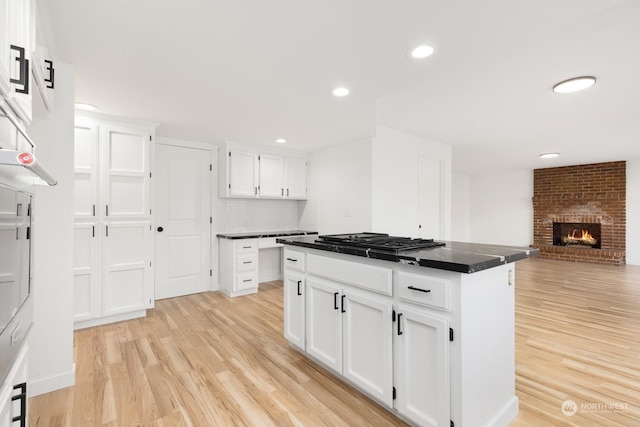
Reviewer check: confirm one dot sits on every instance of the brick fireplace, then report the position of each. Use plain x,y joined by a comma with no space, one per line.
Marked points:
581,201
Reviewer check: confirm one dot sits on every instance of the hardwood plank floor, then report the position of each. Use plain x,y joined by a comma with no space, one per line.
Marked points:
205,360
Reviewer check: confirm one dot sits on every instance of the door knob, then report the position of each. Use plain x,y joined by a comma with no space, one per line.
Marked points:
160,229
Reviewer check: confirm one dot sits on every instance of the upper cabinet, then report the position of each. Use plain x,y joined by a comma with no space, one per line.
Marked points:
255,173
42,62
25,59
17,44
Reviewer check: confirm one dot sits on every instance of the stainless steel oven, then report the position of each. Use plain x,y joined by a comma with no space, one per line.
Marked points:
16,306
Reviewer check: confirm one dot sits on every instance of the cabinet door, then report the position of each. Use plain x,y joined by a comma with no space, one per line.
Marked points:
324,322
271,176
367,356
15,387
86,272
127,277
86,171
124,161
5,42
422,368
296,178
294,312
21,24
42,70
243,174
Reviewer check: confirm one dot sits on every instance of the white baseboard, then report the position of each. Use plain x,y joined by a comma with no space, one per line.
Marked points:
52,383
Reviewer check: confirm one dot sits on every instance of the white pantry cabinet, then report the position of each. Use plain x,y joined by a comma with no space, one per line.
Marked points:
251,172
113,275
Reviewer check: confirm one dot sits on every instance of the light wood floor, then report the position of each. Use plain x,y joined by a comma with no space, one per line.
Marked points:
206,359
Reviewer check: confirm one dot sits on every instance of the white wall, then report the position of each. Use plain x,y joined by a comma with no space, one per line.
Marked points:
51,340
502,209
633,212
395,181
339,189
460,208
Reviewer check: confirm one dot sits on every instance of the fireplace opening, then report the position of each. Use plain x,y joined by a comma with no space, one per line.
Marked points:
576,234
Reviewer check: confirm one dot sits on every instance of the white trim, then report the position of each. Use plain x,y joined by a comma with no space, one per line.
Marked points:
109,319
53,383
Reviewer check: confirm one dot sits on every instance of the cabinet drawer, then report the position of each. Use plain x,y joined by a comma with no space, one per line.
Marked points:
246,262
424,290
294,260
245,246
370,277
247,280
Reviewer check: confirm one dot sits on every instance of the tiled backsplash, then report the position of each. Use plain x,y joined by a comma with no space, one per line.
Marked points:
240,215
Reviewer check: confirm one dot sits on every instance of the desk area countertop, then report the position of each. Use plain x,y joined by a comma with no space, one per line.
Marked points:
263,234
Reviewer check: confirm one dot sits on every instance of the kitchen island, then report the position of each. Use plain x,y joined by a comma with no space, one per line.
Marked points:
427,333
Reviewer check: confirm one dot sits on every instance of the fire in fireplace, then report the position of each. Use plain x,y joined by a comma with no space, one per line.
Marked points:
576,233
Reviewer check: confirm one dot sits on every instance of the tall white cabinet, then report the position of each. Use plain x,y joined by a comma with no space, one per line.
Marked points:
113,272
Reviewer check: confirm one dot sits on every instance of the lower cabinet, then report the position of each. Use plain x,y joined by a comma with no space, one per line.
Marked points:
422,367
294,311
112,271
350,332
13,394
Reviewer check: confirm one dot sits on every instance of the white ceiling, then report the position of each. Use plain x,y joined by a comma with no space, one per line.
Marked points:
254,71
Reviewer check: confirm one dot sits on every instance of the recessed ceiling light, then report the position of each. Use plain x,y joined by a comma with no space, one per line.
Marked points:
281,140
85,107
549,155
575,84
340,91
421,51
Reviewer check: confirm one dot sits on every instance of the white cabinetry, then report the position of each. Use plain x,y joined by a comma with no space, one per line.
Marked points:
428,343
243,174
248,172
349,323
422,367
349,331
295,178
271,176
16,36
294,298
113,276
42,62
238,266
13,393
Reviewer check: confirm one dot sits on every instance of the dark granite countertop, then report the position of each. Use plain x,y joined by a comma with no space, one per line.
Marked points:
455,256
259,234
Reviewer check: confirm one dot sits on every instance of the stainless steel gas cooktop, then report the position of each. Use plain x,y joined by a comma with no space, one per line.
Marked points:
379,241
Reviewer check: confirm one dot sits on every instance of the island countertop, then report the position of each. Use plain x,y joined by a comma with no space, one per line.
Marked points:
454,256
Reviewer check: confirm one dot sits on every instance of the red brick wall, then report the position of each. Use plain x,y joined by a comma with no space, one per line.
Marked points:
582,193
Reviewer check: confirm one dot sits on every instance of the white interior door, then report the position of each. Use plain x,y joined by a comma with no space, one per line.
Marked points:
430,198
182,217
